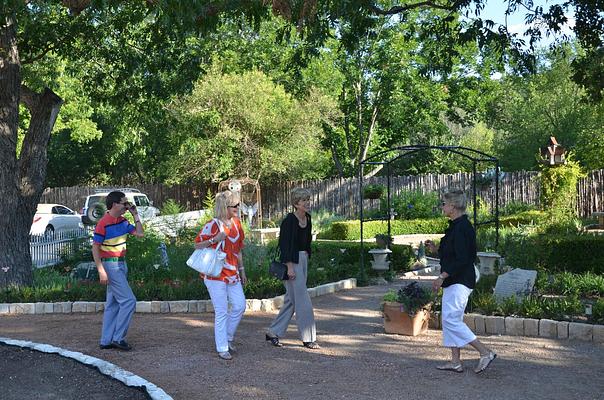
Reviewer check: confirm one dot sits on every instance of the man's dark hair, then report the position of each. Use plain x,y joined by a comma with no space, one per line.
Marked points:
113,197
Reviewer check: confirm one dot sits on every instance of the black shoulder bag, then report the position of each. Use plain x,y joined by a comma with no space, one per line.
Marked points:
277,268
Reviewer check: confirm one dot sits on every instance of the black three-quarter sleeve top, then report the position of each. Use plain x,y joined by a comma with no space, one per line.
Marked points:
457,252
293,239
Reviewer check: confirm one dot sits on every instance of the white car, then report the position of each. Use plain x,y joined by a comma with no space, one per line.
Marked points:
94,206
51,218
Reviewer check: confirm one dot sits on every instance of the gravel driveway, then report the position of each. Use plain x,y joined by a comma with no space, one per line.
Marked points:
357,360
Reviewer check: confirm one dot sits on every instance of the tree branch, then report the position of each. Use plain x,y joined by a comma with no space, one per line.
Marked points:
29,97
33,158
407,7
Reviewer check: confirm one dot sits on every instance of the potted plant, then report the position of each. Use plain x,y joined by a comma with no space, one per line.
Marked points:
373,191
380,255
407,312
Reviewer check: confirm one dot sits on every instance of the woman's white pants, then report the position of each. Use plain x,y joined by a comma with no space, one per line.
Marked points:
455,332
225,320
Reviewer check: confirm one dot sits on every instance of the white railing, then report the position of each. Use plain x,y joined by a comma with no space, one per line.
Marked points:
51,249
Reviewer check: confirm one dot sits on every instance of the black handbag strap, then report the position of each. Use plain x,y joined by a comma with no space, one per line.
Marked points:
278,248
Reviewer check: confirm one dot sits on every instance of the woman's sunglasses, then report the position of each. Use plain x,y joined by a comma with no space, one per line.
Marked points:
235,206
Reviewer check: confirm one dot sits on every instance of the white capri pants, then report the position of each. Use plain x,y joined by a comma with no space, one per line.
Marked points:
455,332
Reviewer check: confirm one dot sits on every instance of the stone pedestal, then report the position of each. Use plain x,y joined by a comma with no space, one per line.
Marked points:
487,262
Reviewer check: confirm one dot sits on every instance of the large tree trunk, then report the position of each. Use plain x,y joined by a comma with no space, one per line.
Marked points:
21,179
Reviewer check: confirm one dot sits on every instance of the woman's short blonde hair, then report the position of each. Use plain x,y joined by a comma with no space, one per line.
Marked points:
457,199
223,201
298,194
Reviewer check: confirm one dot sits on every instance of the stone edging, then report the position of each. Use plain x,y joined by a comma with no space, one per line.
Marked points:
178,306
514,326
104,367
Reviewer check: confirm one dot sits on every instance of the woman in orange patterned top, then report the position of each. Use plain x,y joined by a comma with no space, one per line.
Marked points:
225,231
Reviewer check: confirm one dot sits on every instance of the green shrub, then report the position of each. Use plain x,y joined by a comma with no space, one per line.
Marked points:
323,219
566,283
558,184
529,217
330,261
522,247
391,296
484,303
562,308
516,207
351,230
530,307
509,306
171,207
414,204
597,312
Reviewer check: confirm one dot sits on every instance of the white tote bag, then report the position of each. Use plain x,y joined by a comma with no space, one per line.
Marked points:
208,261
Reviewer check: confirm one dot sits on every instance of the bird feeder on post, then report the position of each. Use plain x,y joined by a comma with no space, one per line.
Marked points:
553,154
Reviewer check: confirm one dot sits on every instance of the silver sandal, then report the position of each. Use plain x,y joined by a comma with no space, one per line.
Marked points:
484,362
450,367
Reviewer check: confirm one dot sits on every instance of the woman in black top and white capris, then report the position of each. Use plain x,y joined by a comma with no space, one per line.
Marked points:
295,236
457,252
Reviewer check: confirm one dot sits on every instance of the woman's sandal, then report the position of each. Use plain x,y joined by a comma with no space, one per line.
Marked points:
450,367
484,362
311,345
274,340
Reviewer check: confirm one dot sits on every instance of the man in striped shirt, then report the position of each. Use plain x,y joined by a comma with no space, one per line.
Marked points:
109,250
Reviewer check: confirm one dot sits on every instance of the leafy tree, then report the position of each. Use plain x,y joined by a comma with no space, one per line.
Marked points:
245,125
121,44
528,110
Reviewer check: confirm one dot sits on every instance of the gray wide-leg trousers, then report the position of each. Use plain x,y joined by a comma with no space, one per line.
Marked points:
296,301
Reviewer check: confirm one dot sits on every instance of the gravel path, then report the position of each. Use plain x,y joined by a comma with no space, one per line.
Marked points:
357,360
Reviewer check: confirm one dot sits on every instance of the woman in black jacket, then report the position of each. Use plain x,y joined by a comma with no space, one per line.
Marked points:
457,252
295,236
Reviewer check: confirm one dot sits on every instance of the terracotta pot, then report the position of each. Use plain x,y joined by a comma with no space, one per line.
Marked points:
396,320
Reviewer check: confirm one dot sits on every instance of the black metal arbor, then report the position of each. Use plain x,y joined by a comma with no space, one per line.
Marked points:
405,151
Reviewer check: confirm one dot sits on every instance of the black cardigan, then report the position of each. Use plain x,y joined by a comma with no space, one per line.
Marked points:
288,237
457,252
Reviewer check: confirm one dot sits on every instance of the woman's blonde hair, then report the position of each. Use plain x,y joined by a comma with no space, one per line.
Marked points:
298,194
223,201
457,199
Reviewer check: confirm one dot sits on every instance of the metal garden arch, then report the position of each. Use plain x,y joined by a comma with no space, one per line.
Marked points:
397,153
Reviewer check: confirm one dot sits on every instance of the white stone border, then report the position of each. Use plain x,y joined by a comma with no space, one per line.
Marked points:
178,306
514,326
104,367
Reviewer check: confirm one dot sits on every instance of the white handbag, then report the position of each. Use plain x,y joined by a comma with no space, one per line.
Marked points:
208,261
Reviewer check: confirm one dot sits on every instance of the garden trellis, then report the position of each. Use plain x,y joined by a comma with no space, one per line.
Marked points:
386,158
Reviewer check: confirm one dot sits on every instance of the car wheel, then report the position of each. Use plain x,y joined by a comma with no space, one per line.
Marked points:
49,232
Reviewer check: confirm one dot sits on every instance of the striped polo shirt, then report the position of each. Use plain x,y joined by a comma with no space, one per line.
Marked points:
111,234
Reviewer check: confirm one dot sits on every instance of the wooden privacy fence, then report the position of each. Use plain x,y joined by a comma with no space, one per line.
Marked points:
341,195
190,196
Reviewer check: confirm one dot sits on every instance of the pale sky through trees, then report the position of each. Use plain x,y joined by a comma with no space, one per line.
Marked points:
495,11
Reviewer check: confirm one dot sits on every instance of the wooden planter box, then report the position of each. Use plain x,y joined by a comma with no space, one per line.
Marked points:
398,321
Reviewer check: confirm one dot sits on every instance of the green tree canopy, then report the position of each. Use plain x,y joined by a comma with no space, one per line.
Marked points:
245,125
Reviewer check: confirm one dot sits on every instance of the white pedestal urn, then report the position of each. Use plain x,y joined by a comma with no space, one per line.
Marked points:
380,259
487,262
